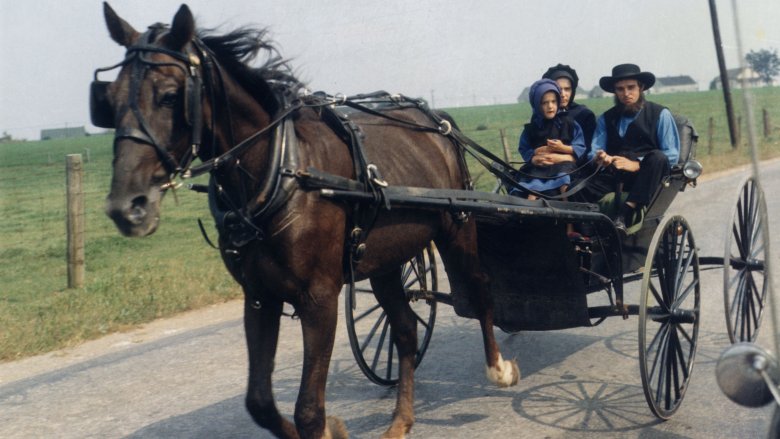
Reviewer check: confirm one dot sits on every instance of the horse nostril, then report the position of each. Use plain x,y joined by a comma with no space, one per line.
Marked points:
137,211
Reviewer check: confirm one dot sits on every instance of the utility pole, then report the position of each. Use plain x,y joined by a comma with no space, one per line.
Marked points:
724,77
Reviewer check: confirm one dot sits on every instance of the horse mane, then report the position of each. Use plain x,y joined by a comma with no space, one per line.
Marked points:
272,83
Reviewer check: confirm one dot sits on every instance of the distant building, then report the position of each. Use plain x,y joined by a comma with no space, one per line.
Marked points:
63,133
736,77
675,84
524,95
597,92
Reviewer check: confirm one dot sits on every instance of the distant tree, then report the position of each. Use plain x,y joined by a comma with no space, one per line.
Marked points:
765,63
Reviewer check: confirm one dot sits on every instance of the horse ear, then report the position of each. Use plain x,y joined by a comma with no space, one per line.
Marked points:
182,29
120,31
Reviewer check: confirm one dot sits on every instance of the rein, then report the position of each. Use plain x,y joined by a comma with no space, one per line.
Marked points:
498,167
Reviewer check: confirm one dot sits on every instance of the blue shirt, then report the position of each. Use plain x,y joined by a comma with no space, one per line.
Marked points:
668,138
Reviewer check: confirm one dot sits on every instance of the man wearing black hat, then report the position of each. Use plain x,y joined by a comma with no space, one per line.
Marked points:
636,140
567,80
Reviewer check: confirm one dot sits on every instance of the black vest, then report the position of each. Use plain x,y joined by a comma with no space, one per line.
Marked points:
563,131
641,136
550,130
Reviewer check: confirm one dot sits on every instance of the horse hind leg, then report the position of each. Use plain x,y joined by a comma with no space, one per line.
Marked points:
461,259
389,292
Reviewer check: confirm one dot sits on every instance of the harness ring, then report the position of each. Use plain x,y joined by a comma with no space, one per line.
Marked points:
445,127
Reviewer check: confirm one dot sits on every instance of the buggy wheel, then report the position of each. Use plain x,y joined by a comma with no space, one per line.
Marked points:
669,315
370,334
744,281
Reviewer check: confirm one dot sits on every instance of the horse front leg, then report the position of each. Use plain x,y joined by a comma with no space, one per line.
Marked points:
318,318
262,336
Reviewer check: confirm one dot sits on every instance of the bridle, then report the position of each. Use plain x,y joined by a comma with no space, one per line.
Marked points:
102,114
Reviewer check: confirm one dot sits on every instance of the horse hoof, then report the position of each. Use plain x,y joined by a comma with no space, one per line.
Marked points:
506,373
335,429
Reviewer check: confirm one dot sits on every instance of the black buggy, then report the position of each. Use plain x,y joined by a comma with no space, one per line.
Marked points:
541,279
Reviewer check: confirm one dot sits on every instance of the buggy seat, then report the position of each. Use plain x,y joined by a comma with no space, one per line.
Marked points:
637,242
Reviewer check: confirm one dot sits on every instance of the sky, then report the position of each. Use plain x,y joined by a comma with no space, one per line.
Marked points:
450,52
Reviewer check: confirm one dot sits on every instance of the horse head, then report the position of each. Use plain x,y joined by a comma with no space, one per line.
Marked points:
155,106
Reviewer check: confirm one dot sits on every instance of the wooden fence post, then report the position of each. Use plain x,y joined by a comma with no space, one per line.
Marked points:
710,134
507,154
74,171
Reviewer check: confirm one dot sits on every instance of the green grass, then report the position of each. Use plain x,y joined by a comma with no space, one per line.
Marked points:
128,281
132,281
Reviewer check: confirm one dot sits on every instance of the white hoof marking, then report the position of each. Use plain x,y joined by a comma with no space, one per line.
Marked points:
505,374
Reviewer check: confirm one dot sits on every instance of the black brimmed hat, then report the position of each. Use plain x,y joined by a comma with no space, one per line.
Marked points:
626,71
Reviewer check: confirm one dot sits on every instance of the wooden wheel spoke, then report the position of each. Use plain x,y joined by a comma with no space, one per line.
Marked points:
662,353
677,365
739,292
755,291
681,298
657,297
744,326
406,273
660,339
364,314
738,241
421,320
372,333
755,232
685,334
682,269
757,251
682,361
662,296
379,345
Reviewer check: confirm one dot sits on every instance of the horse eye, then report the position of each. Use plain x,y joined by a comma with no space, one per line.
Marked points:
169,99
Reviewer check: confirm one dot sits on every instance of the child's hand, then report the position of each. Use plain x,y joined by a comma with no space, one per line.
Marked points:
544,149
556,145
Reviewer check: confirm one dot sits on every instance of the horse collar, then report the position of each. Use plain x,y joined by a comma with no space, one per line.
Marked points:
242,224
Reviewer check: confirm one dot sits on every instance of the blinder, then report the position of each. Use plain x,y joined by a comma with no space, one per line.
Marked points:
100,110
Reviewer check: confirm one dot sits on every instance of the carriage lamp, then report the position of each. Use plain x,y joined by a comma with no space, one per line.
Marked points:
692,169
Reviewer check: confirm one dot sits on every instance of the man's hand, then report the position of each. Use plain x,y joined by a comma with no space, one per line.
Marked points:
603,159
624,164
618,162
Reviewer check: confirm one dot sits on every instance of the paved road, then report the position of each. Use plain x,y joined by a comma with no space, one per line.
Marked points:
185,377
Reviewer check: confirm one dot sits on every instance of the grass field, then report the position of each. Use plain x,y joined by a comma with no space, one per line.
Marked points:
132,281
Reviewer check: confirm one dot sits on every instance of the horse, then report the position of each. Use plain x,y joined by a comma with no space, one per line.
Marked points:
184,96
